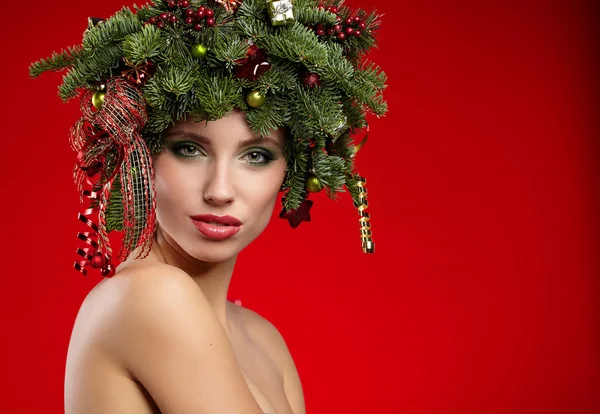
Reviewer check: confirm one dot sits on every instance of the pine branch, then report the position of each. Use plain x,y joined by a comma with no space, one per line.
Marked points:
142,46
217,93
56,62
90,70
295,43
272,115
112,30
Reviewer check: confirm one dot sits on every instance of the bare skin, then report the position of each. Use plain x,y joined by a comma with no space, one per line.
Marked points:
160,335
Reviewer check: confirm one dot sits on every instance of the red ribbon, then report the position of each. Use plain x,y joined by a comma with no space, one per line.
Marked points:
108,142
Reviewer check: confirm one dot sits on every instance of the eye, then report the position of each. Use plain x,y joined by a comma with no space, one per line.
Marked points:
186,150
259,157
255,156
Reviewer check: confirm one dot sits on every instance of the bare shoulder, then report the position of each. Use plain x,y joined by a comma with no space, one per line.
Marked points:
267,334
157,323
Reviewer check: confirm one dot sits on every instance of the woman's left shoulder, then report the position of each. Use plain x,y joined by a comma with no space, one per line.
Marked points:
262,330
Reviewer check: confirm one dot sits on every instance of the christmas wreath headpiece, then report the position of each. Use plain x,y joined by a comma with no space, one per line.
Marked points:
296,64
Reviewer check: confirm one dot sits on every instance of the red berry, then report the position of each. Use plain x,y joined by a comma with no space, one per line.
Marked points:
334,10
320,32
357,33
173,19
171,5
189,20
349,21
160,25
311,80
200,13
197,27
341,36
210,22
189,12
349,30
338,28
362,25
331,31
320,26
153,20
164,16
209,13
202,8
185,3
356,19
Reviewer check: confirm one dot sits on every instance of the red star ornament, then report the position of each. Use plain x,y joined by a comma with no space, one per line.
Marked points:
295,217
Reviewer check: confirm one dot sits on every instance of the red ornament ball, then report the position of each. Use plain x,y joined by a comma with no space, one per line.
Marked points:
356,19
189,12
349,30
209,13
173,19
171,5
357,33
338,28
349,21
197,27
189,20
97,260
160,25
331,31
107,270
210,22
320,32
153,20
341,36
164,16
200,13
185,3
311,80
362,25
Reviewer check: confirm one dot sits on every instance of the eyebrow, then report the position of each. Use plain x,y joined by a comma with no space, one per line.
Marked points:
243,143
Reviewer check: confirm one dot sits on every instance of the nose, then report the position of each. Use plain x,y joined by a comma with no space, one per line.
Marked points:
219,187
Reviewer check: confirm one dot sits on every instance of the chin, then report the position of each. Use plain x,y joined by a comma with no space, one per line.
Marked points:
216,251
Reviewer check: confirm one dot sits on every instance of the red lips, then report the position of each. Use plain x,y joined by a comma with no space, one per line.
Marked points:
211,218
226,227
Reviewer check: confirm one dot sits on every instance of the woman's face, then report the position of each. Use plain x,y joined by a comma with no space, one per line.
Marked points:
220,168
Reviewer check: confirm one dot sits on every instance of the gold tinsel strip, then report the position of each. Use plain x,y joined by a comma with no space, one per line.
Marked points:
368,245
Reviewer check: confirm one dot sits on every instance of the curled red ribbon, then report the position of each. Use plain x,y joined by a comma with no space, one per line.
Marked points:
108,143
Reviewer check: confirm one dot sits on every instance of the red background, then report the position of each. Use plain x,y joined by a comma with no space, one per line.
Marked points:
483,294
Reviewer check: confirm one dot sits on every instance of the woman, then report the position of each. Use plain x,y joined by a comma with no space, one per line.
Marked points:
195,115
161,333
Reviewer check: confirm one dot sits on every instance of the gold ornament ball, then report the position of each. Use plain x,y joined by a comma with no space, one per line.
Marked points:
98,99
199,51
255,99
313,184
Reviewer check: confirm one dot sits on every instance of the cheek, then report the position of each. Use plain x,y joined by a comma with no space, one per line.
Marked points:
262,192
171,184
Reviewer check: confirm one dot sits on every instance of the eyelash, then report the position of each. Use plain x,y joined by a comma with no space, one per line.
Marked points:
268,157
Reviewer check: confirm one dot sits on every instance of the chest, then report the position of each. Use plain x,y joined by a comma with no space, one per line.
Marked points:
263,376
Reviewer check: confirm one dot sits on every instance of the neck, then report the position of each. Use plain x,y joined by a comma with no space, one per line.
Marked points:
213,279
